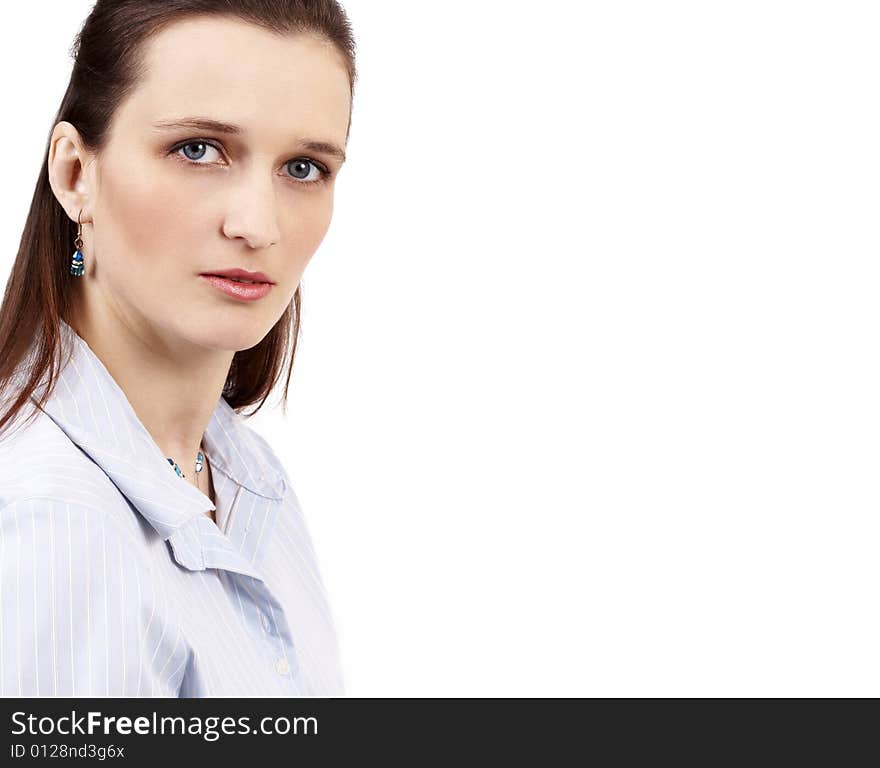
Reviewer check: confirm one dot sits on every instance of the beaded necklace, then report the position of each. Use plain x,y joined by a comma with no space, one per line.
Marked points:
199,465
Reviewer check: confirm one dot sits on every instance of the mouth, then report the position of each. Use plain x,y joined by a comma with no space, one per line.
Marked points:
241,276
237,279
238,288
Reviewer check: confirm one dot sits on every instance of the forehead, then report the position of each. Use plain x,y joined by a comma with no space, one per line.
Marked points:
273,86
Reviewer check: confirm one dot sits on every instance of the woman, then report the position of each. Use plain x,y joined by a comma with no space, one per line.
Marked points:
151,543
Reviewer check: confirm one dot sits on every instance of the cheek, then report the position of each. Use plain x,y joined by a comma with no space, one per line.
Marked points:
146,215
309,230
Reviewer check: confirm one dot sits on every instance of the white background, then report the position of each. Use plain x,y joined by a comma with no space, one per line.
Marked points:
587,401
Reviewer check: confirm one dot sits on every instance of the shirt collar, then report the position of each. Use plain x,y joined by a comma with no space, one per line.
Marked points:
93,411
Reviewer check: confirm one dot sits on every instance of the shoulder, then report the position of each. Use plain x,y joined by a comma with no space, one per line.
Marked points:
293,520
264,449
293,515
40,464
45,503
260,447
35,452
39,532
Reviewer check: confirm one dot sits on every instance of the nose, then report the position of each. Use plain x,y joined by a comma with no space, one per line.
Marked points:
252,216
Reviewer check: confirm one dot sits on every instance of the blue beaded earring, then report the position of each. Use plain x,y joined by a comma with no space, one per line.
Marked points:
77,268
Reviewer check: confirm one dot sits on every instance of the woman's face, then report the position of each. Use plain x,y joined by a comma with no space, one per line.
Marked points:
169,204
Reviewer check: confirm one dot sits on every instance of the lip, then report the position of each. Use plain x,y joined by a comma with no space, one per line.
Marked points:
240,291
259,277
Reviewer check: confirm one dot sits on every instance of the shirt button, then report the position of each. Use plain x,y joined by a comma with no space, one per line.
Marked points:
282,667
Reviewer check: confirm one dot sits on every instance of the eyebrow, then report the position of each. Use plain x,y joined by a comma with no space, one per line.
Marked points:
207,124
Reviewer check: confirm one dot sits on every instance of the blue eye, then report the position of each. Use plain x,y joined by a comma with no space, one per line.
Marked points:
193,158
299,162
196,144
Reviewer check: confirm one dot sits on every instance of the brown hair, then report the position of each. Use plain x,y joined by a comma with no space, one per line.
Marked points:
108,62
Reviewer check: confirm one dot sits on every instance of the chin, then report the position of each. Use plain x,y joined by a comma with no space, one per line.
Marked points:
231,336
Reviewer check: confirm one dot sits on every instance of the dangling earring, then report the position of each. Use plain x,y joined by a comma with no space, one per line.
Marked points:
77,268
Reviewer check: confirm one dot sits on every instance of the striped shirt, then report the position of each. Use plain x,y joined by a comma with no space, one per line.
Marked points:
115,582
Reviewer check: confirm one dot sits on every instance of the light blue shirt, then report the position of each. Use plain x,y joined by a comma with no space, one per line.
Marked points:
115,582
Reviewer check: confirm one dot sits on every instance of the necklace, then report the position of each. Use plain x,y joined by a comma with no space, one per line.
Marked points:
199,465
200,459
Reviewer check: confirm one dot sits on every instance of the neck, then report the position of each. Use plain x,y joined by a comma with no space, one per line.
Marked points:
173,385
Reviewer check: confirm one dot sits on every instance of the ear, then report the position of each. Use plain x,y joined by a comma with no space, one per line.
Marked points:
69,164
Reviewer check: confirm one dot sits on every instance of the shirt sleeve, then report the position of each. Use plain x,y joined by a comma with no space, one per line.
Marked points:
80,613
